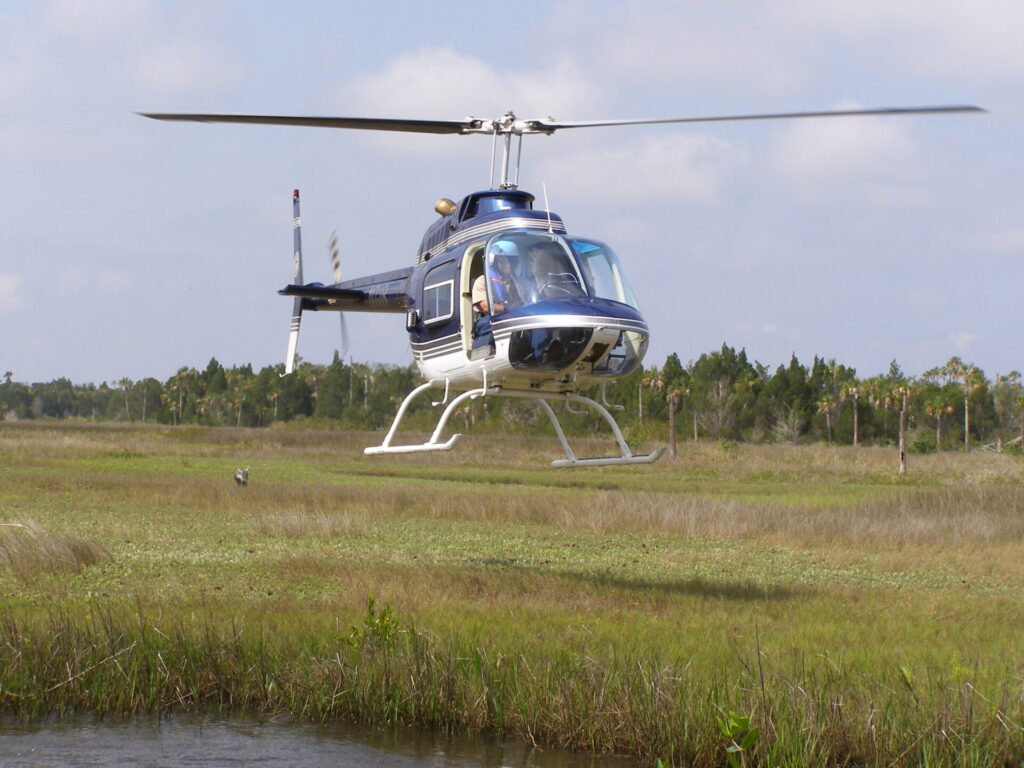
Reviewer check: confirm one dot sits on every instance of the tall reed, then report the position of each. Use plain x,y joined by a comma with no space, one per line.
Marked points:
385,671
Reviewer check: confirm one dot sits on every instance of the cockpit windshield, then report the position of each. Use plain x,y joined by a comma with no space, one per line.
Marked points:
523,268
603,271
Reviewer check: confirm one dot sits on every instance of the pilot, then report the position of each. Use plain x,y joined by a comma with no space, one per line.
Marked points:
504,290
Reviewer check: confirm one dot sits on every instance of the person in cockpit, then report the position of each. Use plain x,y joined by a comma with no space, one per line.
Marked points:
504,291
554,276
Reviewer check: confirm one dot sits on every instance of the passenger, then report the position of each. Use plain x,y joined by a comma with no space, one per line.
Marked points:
554,277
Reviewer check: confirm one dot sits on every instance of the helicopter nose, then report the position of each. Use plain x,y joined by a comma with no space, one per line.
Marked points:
547,349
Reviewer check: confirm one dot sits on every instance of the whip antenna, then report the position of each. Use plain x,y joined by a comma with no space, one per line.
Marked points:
544,186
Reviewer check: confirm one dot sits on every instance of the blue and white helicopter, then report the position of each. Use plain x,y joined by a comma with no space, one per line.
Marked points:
502,301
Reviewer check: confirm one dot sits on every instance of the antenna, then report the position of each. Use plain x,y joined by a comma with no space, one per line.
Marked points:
551,229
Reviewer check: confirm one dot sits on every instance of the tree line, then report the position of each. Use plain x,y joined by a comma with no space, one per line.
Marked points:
721,395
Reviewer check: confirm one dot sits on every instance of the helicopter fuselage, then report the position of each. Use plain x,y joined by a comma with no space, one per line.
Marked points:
559,314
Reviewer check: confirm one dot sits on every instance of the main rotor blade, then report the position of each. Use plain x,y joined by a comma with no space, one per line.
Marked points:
545,125
365,123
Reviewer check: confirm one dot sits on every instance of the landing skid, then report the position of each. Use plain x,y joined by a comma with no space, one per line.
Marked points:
435,444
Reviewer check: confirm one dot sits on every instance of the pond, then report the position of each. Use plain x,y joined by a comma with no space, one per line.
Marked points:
191,741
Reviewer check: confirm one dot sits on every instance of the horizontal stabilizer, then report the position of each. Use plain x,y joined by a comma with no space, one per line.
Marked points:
386,296
321,291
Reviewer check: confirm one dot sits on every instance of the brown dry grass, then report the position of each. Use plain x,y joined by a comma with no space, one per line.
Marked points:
28,551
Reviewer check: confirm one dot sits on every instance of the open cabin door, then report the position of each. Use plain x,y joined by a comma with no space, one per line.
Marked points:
477,340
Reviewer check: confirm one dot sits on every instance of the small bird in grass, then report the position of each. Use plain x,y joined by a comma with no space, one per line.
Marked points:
242,476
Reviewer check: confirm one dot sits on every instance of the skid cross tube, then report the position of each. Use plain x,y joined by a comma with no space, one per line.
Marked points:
435,444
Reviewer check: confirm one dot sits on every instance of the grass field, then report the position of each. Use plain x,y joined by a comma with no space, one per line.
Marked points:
801,602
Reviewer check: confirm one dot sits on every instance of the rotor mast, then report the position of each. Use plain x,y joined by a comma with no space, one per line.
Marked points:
509,127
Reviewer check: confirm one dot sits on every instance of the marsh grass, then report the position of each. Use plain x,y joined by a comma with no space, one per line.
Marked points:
811,711
28,551
856,617
317,523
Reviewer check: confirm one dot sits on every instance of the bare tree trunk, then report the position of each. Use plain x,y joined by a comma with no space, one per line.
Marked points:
856,424
695,426
903,436
967,424
672,426
938,432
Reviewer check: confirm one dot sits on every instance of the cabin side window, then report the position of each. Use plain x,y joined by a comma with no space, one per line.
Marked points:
439,293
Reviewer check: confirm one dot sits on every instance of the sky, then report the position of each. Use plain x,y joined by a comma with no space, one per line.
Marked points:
131,248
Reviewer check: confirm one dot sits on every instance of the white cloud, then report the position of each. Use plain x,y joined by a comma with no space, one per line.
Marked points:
96,21
163,49
442,83
756,45
962,340
1007,240
17,69
77,281
833,151
976,40
113,283
11,299
182,65
678,166
746,327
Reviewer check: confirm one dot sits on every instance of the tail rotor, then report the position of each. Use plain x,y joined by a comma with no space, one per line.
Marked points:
336,266
293,335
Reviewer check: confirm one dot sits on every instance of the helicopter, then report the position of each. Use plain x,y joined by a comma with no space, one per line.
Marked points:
501,301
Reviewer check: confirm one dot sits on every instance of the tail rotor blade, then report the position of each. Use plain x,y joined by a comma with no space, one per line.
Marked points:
336,267
335,257
293,335
344,337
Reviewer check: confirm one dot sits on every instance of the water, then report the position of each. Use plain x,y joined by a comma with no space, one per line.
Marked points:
189,741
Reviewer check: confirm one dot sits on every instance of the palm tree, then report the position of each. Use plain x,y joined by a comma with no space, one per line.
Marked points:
972,378
853,393
893,394
828,408
969,378
937,407
125,385
902,394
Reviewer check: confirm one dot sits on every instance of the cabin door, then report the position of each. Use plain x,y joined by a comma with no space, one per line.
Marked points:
477,340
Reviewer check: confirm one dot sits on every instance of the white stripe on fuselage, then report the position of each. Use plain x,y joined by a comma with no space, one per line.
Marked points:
503,329
489,228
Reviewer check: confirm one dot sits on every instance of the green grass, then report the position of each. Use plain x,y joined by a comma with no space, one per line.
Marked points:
855,617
